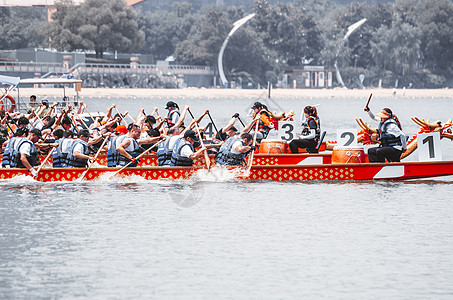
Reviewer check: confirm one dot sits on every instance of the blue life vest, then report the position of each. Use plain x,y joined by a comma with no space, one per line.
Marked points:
32,158
64,152
176,158
388,139
164,152
6,160
76,162
122,160
226,157
57,156
112,154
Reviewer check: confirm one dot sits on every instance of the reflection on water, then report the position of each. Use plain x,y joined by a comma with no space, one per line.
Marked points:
214,237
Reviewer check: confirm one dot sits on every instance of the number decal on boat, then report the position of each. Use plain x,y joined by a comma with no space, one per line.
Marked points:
429,147
347,137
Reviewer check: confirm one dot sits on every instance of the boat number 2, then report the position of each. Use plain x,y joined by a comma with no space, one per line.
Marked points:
429,147
346,137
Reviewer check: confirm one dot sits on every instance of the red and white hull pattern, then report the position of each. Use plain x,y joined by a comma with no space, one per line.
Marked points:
341,172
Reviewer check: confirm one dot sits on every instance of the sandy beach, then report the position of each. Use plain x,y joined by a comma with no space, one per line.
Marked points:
239,93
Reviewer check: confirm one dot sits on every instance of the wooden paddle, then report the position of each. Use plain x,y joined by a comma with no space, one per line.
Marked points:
45,160
94,160
206,156
149,149
120,115
249,166
368,102
86,109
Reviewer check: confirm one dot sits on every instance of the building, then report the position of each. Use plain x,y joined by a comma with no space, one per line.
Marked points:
306,77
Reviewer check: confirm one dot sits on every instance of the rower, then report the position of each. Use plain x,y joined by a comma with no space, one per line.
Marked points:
57,156
184,152
128,148
66,145
8,154
391,137
264,124
26,154
234,150
173,113
112,154
311,132
165,148
228,131
78,155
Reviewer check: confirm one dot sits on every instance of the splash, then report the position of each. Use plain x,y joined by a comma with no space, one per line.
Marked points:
220,174
20,179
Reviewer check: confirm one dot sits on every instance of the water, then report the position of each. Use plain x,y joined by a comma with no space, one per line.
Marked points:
214,237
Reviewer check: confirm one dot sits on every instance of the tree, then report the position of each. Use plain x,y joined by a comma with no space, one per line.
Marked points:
397,48
98,25
288,31
435,20
20,28
164,30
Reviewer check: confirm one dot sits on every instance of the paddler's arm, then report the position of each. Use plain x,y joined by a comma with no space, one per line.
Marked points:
197,153
182,116
249,126
121,149
23,159
149,140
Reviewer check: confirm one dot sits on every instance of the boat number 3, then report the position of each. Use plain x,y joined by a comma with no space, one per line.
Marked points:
285,130
346,137
429,146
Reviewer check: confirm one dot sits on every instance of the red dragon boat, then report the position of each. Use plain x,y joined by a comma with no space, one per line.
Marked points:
342,172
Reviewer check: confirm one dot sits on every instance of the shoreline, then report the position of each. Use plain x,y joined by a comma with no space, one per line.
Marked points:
236,93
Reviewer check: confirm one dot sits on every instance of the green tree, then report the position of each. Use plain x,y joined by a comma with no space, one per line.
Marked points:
435,20
397,48
20,27
98,25
165,30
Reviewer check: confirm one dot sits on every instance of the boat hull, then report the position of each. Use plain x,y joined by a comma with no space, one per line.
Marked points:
322,172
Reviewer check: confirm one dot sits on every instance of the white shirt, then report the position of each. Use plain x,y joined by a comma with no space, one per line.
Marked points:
65,145
235,145
25,148
186,151
393,129
131,147
172,140
80,146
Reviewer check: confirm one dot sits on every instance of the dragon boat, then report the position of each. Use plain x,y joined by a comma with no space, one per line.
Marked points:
340,164
339,172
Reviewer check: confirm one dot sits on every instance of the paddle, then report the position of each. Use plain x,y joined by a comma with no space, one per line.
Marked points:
120,115
206,156
86,109
44,161
243,125
149,149
215,127
253,145
94,160
368,102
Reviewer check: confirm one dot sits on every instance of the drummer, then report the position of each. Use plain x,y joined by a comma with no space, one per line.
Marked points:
261,113
392,140
311,132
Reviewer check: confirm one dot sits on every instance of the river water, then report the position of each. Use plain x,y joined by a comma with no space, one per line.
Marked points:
216,238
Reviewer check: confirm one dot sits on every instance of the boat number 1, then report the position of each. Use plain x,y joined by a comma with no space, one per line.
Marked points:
429,146
285,130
